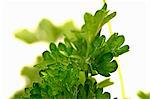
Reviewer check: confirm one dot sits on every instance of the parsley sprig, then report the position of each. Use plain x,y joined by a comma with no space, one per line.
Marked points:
68,68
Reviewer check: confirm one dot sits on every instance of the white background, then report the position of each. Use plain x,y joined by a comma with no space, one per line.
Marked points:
131,21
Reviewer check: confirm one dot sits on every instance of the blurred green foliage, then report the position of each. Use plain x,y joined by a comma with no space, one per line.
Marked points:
143,95
46,31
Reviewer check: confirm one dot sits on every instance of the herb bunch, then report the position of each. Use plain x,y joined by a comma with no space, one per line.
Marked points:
68,68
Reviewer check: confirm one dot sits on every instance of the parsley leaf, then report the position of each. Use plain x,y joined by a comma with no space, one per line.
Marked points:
93,24
105,83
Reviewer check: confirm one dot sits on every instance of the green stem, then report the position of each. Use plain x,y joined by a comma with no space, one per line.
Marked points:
121,79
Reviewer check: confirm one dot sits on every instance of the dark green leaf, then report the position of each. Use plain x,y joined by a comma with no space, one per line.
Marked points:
114,44
27,90
106,57
61,47
111,42
46,55
101,95
98,41
36,89
53,47
34,96
106,95
106,68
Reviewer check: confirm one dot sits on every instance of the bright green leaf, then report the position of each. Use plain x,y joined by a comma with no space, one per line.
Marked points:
93,24
122,50
105,83
82,77
26,36
109,17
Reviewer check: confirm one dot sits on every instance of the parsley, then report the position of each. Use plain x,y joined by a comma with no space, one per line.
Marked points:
67,69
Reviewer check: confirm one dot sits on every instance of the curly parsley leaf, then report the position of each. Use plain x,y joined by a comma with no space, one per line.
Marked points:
101,57
93,24
115,44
